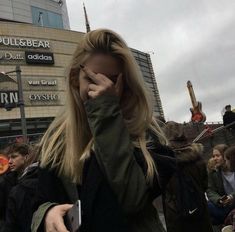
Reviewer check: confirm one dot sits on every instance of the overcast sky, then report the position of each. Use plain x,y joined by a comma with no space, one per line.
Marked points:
187,40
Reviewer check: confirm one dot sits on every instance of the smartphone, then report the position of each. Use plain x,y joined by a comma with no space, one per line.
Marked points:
73,218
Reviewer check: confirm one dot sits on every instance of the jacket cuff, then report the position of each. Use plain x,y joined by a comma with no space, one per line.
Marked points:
39,215
92,105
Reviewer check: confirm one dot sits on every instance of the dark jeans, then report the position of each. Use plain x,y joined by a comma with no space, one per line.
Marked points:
218,214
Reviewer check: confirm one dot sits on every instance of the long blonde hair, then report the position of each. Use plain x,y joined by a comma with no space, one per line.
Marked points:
68,141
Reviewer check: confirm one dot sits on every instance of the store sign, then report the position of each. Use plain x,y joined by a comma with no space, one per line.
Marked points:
8,97
24,43
39,57
42,82
43,97
9,56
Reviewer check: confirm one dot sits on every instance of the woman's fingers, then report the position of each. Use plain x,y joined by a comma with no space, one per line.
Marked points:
97,78
102,85
91,75
59,226
94,90
54,218
93,94
93,87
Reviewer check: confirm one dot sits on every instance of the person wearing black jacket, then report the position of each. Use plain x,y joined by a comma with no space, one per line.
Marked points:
18,156
22,200
184,202
7,181
20,196
229,117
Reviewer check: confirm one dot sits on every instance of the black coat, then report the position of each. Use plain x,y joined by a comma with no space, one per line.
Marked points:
94,190
228,118
190,164
22,202
7,182
107,215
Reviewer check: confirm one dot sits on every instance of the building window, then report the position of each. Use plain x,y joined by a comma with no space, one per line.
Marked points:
46,18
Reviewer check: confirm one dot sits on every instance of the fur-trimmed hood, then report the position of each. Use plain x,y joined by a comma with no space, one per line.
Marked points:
189,153
185,151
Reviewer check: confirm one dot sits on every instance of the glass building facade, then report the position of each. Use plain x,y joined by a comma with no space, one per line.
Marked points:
144,61
46,18
46,13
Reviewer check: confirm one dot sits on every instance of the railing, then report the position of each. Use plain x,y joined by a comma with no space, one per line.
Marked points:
15,136
213,123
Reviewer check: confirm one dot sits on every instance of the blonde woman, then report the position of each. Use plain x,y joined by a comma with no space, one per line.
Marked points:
95,150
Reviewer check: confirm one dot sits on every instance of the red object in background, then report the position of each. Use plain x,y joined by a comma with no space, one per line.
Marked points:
196,110
4,164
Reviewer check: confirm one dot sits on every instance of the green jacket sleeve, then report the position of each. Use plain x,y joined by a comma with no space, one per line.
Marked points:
39,215
114,152
213,193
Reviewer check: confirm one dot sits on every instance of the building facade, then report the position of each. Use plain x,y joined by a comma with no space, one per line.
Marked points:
144,61
43,55
46,13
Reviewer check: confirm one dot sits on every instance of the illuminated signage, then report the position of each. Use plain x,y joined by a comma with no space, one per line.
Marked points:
42,82
24,43
39,57
43,97
8,56
8,97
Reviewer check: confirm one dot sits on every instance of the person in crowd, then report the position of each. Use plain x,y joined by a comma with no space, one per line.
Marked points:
221,186
97,149
186,189
230,162
22,198
17,155
229,117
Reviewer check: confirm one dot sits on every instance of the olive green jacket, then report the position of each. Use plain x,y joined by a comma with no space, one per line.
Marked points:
114,152
216,187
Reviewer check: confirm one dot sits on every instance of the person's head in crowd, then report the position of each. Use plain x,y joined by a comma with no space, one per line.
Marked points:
229,155
68,141
228,107
18,154
218,154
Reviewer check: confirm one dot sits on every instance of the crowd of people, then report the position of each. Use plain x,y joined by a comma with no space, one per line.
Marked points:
221,185
107,150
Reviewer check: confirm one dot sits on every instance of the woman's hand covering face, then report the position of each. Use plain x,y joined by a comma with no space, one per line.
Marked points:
101,74
100,84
